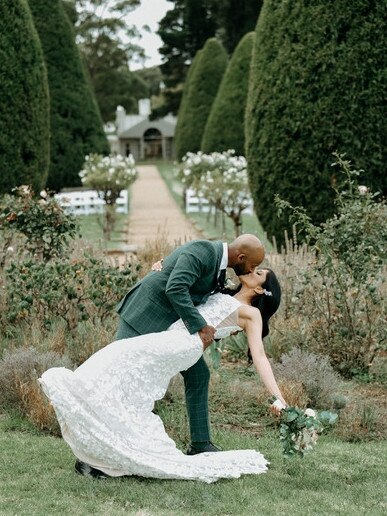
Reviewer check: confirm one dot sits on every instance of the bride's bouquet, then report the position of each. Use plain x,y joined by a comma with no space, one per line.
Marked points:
300,429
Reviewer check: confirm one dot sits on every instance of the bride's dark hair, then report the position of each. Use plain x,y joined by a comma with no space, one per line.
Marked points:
267,304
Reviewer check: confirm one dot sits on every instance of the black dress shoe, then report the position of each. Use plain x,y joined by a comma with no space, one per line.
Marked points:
209,447
88,471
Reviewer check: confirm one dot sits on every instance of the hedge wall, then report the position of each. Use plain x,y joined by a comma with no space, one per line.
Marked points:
225,125
201,91
24,104
76,125
318,84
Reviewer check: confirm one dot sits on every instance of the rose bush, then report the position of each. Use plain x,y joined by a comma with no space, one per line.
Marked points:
44,224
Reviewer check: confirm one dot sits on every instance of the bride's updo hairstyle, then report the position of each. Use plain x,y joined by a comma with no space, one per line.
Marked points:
268,302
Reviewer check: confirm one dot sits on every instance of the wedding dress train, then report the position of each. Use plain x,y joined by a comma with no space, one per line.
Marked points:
104,407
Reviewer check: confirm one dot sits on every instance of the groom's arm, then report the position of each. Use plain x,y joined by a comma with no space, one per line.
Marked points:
191,265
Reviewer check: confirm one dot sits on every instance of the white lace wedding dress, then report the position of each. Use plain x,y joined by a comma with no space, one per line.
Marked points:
105,406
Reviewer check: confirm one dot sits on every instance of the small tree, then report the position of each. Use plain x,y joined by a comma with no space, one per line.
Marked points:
221,178
108,175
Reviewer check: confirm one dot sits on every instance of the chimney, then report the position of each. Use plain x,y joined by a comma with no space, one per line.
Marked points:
120,118
144,107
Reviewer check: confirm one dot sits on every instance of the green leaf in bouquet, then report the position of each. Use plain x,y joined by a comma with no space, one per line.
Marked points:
301,422
289,414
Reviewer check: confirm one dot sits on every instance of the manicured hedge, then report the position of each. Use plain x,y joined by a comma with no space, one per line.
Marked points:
180,125
202,89
225,125
318,84
76,125
24,104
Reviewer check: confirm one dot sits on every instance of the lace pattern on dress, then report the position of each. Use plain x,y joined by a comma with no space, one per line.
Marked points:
105,406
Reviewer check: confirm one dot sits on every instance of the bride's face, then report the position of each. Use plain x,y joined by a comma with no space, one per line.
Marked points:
255,279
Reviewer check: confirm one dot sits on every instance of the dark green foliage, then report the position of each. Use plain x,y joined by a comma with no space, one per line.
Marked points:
24,104
105,41
318,83
183,104
43,222
72,290
112,81
76,127
186,27
225,125
234,18
202,89
184,30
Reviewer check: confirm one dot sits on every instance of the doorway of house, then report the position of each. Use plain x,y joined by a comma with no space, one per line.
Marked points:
153,144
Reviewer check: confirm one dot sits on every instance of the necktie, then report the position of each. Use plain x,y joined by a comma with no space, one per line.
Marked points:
221,280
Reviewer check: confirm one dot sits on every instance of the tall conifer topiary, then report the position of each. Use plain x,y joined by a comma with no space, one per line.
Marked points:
317,85
76,125
203,86
24,104
225,125
180,125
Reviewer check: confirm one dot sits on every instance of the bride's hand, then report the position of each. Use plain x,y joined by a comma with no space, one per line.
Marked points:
158,266
277,406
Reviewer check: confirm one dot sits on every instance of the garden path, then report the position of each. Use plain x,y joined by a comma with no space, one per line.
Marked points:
154,212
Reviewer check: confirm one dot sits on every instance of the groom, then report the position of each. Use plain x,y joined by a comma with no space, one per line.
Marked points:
189,275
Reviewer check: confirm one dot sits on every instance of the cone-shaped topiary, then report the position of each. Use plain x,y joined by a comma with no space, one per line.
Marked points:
24,104
76,126
183,103
203,86
317,85
225,125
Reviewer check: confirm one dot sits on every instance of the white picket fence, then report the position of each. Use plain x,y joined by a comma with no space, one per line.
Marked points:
195,204
87,202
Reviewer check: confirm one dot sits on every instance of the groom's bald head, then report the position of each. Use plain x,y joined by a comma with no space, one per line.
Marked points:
245,253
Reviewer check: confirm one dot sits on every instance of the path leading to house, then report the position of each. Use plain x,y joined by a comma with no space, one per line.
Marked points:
153,211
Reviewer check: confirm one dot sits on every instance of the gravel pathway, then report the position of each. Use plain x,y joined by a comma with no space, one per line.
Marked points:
154,211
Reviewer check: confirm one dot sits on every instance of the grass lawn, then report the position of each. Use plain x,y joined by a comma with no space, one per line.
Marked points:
91,230
37,478
250,222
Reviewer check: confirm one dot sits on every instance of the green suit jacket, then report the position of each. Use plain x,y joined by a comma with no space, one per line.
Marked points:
188,277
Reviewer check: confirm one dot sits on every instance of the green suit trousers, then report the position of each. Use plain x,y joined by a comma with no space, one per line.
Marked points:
196,381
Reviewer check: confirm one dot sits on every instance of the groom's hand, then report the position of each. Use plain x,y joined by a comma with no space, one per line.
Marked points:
207,335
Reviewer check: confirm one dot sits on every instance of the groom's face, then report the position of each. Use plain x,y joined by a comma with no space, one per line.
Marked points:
245,267
247,264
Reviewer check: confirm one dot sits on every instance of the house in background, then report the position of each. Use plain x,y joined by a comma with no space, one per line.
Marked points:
141,137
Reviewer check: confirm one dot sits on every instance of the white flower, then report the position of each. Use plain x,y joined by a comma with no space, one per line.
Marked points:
25,189
43,194
10,249
362,189
310,412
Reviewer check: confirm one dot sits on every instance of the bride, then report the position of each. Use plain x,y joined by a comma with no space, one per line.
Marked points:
104,407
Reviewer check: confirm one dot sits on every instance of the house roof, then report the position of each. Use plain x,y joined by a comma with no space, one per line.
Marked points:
166,126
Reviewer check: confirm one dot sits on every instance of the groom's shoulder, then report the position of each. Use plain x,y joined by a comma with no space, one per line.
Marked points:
202,247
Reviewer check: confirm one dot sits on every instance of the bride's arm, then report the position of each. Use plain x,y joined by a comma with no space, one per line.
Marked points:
249,318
